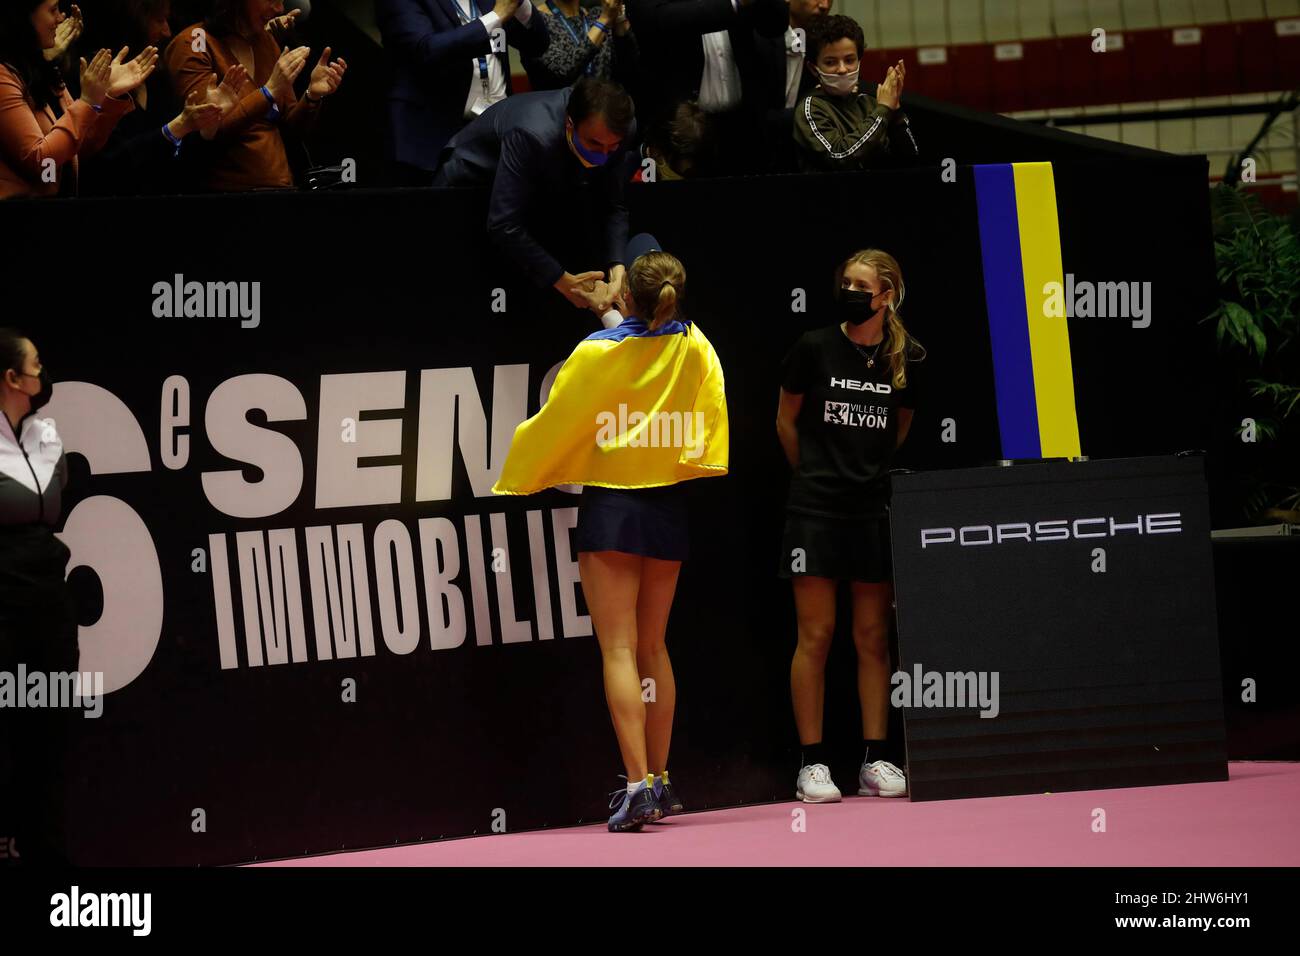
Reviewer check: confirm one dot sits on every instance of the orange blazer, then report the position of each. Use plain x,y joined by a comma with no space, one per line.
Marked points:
252,153
28,137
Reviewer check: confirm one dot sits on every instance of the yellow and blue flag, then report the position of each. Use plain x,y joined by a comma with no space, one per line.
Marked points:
630,408
1020,240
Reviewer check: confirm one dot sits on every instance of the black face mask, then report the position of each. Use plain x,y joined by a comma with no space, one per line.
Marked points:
41,398
855,306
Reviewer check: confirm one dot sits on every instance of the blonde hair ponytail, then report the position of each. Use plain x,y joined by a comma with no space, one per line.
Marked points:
657,281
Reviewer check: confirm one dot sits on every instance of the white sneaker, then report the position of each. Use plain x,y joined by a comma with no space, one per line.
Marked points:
881,779
815,785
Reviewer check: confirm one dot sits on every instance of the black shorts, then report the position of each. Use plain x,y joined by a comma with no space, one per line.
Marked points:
650,522
842,549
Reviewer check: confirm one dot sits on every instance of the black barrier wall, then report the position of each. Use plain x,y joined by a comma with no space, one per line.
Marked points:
476,697
1079,599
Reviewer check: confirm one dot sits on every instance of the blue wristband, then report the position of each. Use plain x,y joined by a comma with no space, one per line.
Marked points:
166,131
274,111
97,109
600,26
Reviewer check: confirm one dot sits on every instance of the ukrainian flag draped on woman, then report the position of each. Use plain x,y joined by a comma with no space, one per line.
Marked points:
630,408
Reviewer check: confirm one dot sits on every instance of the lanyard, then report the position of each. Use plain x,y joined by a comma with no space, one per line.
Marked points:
577,38
482,60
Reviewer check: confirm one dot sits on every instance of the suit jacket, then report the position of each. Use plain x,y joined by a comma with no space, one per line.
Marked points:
668,33
519,147
770,67
430,52
777,146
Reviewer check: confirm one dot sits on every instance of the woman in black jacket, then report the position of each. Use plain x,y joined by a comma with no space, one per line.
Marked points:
38,626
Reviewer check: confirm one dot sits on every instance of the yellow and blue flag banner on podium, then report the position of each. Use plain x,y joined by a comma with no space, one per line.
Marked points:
1020,240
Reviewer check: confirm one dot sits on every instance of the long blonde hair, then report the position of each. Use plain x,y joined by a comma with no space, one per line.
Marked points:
657,281
899,346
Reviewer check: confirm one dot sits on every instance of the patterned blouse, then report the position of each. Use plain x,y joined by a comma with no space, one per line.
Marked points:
569,54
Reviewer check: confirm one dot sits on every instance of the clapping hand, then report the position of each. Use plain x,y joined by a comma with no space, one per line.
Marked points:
95,77
66,34
197,114
326,76
888,92
124,77
280,27
225,95
285,71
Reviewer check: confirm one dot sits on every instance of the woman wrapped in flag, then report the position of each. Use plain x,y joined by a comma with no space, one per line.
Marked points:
635,411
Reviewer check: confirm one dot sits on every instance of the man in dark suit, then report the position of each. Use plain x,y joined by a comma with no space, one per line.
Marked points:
785,82
553,159
705,50
447,68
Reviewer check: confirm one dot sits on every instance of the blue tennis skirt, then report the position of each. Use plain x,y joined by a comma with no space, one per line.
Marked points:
650,522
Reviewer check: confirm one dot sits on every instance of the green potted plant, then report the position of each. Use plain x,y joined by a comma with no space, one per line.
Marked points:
1256,324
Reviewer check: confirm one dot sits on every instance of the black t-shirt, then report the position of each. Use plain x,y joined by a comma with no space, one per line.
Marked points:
848,425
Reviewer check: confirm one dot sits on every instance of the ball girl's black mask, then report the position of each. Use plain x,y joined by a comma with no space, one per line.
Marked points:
41,398
855,306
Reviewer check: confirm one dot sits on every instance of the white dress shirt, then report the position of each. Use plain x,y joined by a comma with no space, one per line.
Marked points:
793,70
720,84
480,99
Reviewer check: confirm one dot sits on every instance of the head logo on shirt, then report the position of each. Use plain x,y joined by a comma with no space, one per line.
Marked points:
880,388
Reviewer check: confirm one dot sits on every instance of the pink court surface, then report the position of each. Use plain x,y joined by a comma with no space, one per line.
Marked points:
1253,819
